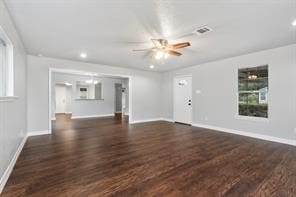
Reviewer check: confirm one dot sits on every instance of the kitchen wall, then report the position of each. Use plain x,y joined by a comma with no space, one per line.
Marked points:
13,113
146,89
216,104
80,108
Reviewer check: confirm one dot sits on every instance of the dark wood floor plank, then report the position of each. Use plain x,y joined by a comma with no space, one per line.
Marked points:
108,157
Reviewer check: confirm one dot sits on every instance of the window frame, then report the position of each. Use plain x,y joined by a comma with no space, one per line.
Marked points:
8,78
252,118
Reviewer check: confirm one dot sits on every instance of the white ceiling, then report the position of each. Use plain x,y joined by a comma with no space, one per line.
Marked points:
108,30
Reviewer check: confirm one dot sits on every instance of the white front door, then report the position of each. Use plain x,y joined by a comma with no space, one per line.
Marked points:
60,92
183,99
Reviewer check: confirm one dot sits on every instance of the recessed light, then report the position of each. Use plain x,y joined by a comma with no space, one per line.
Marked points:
83,55
294,23
39,55
151,66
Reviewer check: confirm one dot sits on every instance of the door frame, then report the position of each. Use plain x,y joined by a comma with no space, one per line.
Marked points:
174,91
71,71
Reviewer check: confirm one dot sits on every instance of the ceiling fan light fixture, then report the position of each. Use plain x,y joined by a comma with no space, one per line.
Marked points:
166,55
163,50
159,55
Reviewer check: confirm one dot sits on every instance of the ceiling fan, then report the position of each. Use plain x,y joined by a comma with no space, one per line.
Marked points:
162,49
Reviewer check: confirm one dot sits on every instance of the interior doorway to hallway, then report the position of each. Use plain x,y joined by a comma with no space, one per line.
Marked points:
121,99
80,95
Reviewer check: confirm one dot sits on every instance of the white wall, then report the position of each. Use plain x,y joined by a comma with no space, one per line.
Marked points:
13,115
87,107
216,105
146,89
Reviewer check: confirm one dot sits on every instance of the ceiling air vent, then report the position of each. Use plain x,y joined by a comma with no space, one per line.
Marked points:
203,30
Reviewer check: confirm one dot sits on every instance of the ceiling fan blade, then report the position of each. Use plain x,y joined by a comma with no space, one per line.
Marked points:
156,42
174,53
180,45
147,54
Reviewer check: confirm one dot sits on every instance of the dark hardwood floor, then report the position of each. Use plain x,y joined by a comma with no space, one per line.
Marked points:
108,157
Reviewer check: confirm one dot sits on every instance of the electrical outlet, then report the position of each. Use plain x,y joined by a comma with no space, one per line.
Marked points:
295,131
206,118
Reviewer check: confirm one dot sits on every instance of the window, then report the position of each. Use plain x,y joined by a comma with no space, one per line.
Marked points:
6,65
253,91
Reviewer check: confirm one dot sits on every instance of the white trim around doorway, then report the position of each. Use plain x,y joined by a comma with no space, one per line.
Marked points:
58,70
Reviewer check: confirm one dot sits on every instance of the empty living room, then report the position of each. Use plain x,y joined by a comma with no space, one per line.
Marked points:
147,98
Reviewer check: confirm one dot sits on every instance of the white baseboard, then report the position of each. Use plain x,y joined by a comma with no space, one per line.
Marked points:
249,134
145,120
167,119
92,116
151,120
35,133
9,169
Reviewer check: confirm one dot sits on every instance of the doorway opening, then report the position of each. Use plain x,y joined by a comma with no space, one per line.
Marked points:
63,95
61,103
81,95
60,99
121,100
